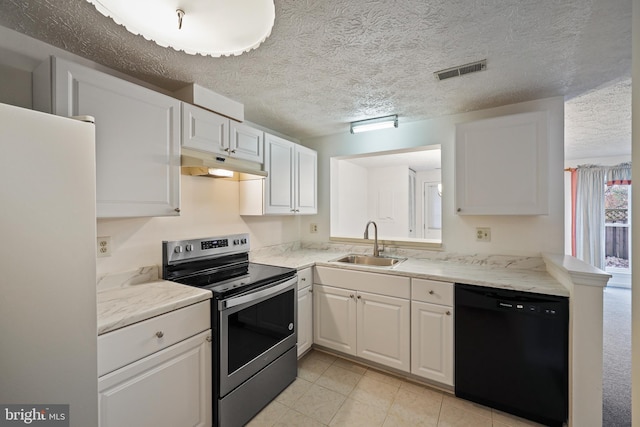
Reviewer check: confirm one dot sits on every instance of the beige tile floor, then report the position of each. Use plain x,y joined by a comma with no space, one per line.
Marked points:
331,391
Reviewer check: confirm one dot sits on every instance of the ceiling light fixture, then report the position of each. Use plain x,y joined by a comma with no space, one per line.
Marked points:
385,122
215,28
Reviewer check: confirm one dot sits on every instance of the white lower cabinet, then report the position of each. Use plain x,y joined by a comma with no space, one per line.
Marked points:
157,372
373,326
305,310
334,318
383,330
432,330
167,389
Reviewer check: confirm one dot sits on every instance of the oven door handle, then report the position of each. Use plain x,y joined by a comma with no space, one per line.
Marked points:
254,296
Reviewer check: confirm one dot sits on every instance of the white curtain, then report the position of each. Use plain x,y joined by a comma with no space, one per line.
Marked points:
590,215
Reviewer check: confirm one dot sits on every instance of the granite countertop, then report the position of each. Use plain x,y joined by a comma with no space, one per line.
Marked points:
526,274
127,298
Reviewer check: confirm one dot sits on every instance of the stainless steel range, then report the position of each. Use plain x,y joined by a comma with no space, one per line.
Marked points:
253,315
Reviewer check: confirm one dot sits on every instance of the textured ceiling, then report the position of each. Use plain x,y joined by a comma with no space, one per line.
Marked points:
329,62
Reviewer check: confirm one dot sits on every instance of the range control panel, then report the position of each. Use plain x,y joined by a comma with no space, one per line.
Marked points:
186,250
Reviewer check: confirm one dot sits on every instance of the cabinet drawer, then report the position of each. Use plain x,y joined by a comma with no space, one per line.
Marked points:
123,346
305,278
432,291
385,284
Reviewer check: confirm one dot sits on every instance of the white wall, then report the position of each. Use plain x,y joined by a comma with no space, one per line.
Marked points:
209,207
528,235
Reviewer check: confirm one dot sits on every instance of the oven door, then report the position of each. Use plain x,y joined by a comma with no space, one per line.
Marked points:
255,329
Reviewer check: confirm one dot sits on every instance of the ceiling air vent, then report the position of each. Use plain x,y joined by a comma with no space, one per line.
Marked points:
461,70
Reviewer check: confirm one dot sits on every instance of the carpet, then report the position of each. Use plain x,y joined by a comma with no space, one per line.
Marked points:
616,404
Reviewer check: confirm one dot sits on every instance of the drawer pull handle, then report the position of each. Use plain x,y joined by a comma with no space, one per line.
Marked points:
209,339
359,296
431,292
448,313
159,334
351,296
304,279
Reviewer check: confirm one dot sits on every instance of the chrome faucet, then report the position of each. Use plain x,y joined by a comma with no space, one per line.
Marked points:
376,252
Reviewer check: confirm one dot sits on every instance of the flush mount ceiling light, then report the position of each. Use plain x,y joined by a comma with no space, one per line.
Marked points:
206,27
385,122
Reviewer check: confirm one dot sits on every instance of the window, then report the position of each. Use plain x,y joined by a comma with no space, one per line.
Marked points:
617,206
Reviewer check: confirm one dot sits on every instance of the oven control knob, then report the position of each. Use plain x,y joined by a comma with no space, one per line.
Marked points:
189,248
243,241
291,326
236,242
178,249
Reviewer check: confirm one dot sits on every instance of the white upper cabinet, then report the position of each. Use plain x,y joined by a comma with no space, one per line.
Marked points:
502,166
291,184
212,133
137,136
305,185
278,162
246,142
205,131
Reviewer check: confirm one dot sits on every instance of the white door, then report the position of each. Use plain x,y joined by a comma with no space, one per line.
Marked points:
334,315
432,341
172,387
137,140
305,319
204,130
383,330
246,142
306,173
278,162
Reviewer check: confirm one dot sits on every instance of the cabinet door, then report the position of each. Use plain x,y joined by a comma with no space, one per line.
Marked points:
305,320
204,130
432,341
306,173
246,142
501,166
383,330
172,387
137,140
278,162
334,318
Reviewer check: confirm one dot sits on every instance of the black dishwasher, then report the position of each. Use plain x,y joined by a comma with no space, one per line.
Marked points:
511,351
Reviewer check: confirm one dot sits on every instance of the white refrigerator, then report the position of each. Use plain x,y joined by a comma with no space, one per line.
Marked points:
48,340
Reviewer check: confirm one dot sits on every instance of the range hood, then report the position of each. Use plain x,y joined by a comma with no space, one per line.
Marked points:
198,163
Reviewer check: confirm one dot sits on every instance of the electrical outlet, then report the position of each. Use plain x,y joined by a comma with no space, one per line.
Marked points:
483,234
104,246
313,228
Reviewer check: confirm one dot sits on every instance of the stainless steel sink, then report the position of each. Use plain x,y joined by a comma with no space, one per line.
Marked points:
376,261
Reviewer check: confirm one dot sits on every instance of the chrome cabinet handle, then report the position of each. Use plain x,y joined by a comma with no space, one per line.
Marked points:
232,151
177,210
159,334
304,279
